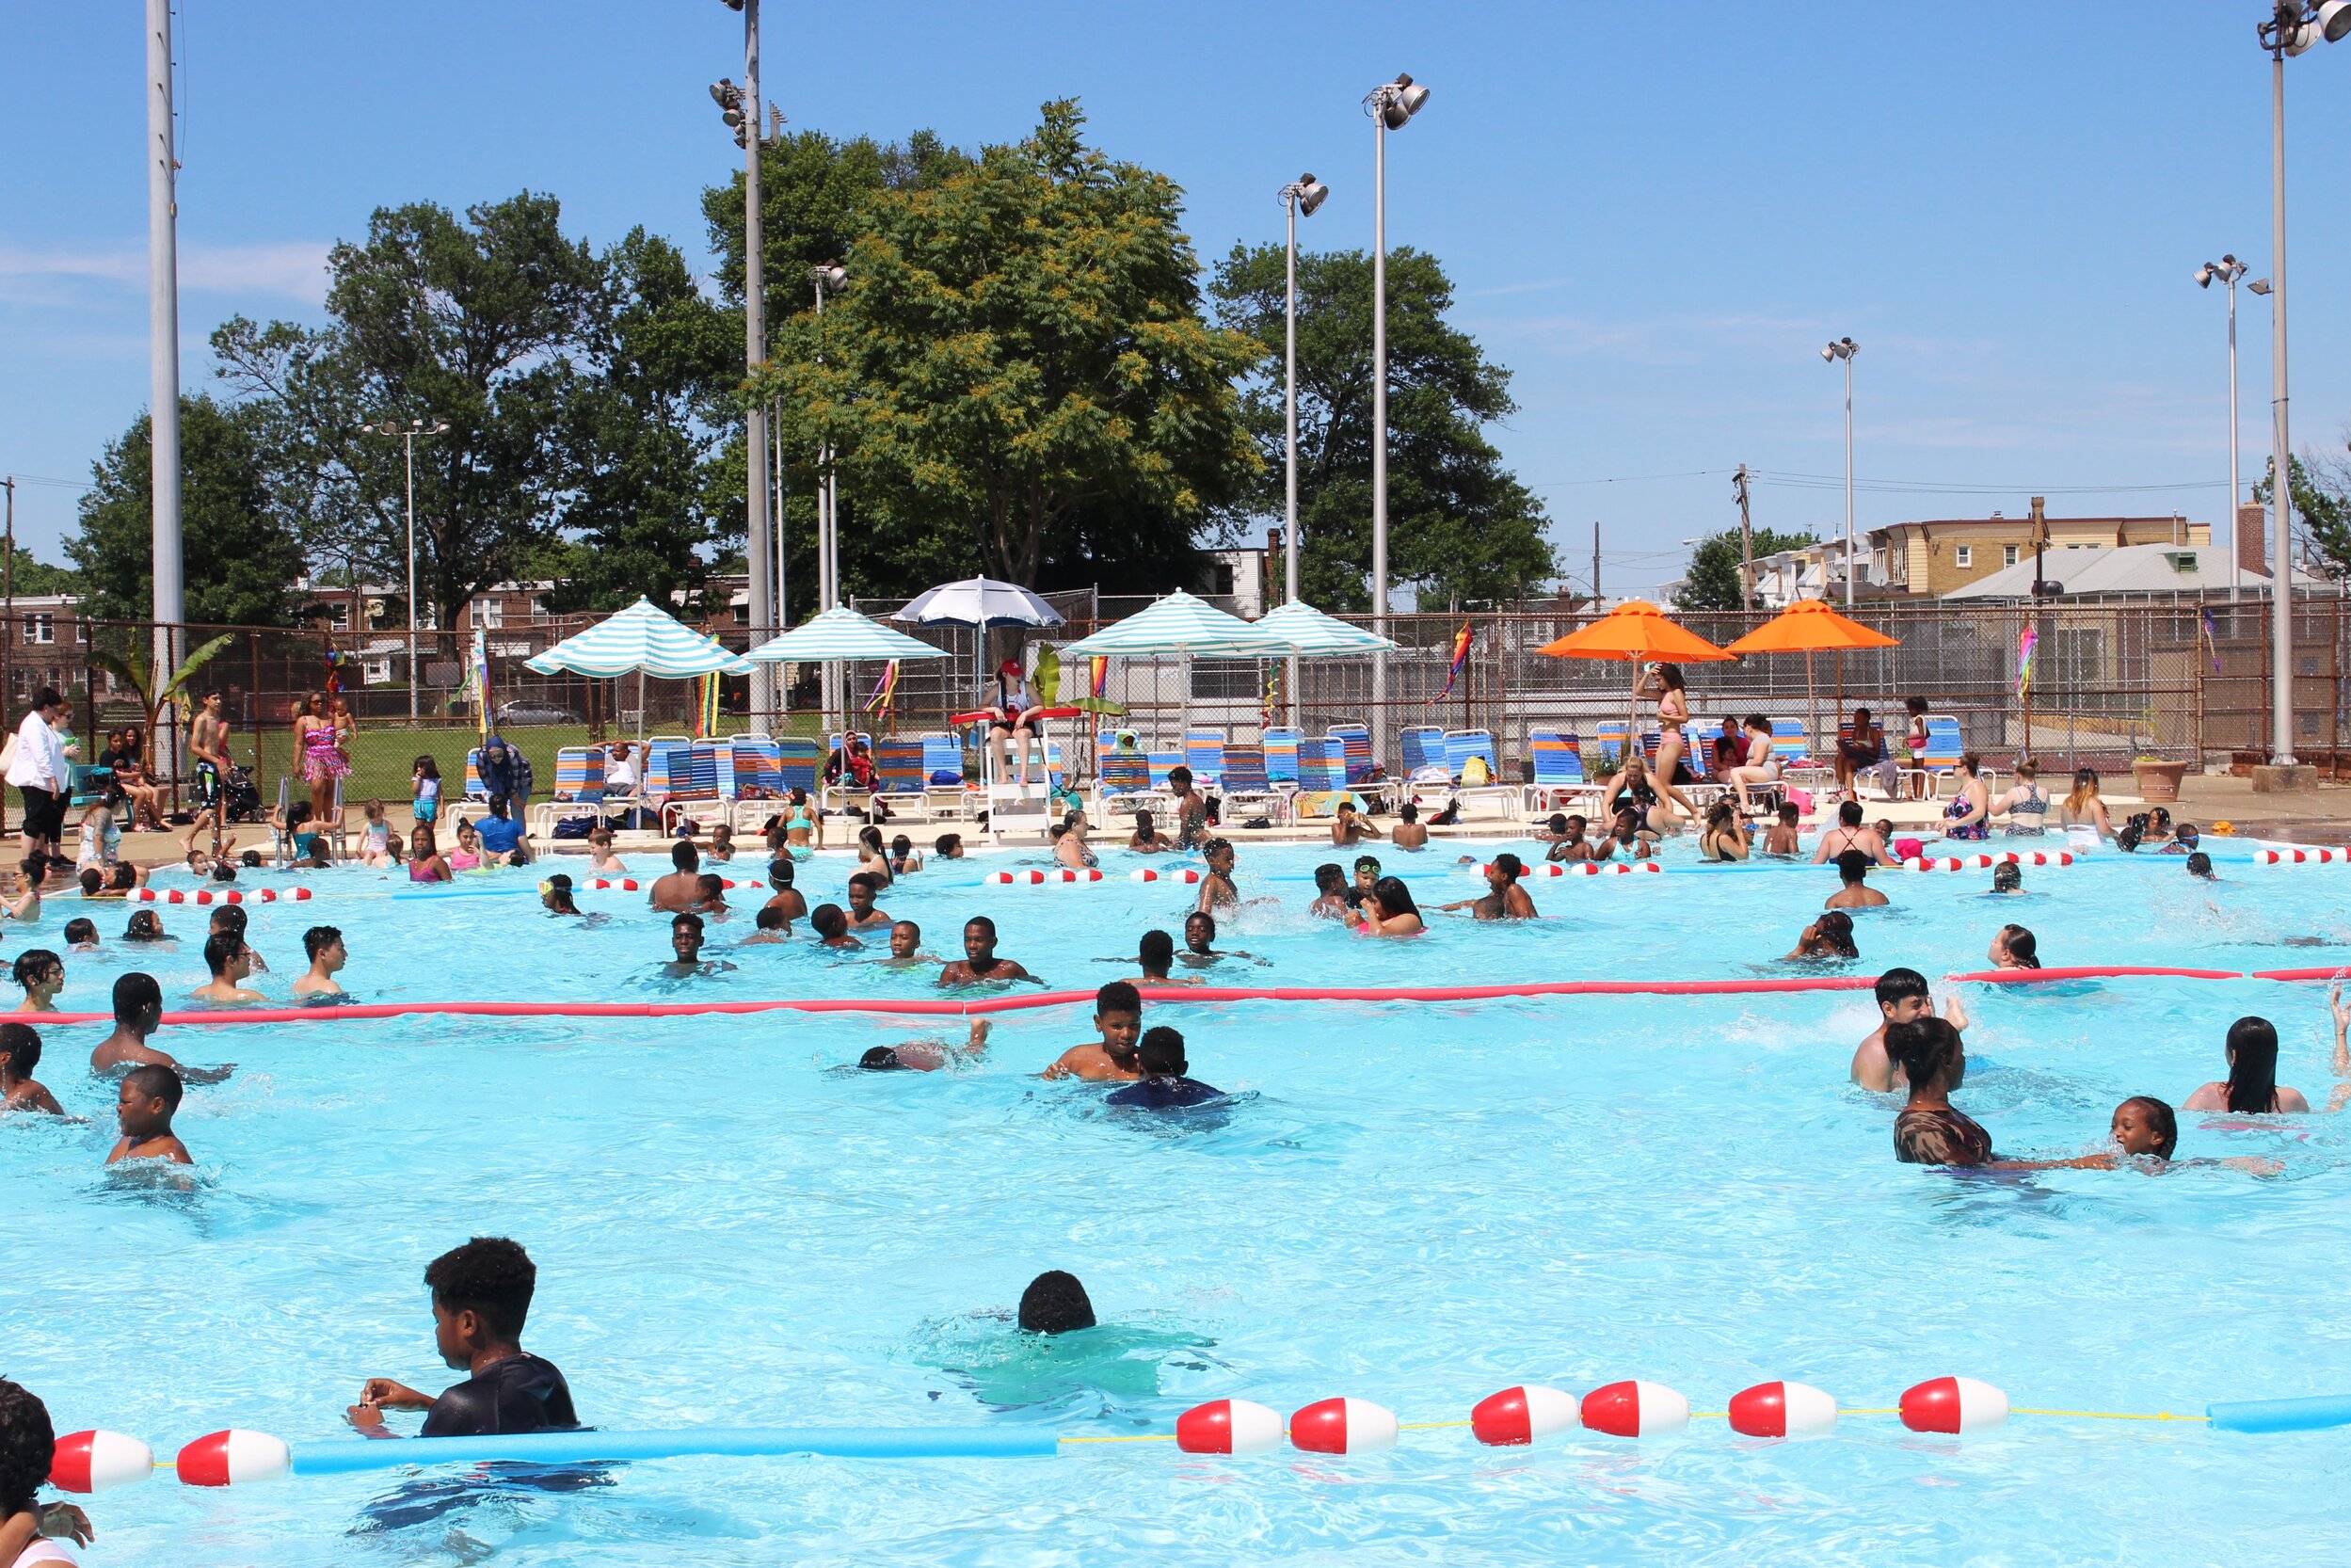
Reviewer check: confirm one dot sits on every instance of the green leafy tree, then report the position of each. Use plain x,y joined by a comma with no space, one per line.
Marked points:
153,689
1018,376
239,556
1461,526
2322,507
1712,581
29,574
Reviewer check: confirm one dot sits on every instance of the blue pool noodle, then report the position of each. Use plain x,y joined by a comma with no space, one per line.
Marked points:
2325,1410
584,1448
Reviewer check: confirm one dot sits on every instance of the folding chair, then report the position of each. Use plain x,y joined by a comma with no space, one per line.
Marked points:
1462,745
1355,749
1281,755
897,777
1247,789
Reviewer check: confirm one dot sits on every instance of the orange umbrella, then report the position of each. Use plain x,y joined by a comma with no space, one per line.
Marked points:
1636,630
1804,627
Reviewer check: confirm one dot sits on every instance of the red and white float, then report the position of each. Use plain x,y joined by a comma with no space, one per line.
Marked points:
1228,1426
1636,1410
1522,1414
235,1457
1953,1405
1342,1427
95,1461
1174,874
2299,857
1782,1410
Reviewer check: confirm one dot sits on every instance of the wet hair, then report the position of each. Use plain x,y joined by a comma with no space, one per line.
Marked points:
770,919
2022,947
1409,811
20,1045
1055,1302
900,845
229,917
1575,822
223,872
1329,878
92,881
1848,814
33,963
81,929
1057,831
1163,1052
1395,898
559,895
146,926
881,1059
711,886
156,1081
220,951
2200,864
1215,847
490,1277
1155,949
1790,816
683,856
29,1446
687,919
981,921
1145,828
830,920
1181,776
2161,1117
318,939
133,994
1368,863
1205,918
2007,877
2252,1066
1835,927
125,877
1510,865
1119,996
1924,1046
780,873
1558,823
1900,985
947,843
870,837
867,880
1852,866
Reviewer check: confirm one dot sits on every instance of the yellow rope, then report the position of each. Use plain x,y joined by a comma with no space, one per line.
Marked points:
2112,1414
1149,1437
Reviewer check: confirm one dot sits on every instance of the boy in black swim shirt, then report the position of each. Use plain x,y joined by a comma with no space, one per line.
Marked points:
481,1296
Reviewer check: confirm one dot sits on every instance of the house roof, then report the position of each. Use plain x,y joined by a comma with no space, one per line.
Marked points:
2024,520
2137,569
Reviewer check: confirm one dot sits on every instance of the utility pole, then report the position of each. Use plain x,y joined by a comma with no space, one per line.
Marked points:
742,111
1746,545
169,607
1595,566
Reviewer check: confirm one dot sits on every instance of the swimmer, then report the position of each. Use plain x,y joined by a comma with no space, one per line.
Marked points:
1146,837
145,926
230,920
1349,830
1055,1302
2013,948
685,945
1850,834
143,1107
2142,1129
1724,837
905,947
903,857
1931,1130
2201,867
42,975
873,860
602,860
947,846
926,1056
1216,886
1902,998
1411,833
117,883
980,963
1784,837
680,888
2008,877
323,945
1330,886
81,934
1154,953
1163,1085
2184,842
863,916
231,961
1829,936
19,1055
1069,850
1118,1022
481,1295
1200,942
1505,898
1367,878
2251,1088
722,844
1854,891
781,893
1630,837
30,1530
769,926
554,895
425,861
831,925
137,1013
1390,911
1568,843
711,895
1191,808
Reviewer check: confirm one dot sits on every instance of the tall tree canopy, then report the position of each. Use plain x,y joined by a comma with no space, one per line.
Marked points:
1461,526
1712,581
239,555
2322,512
1019,377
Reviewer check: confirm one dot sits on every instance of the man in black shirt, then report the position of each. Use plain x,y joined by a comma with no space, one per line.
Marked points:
481,1296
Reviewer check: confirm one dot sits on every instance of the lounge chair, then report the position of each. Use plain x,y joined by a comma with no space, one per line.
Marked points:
1321,778
1422,747
1355,748
1123,785
897,778
1281,756
1204,754
1247,791
1460,747
1560,784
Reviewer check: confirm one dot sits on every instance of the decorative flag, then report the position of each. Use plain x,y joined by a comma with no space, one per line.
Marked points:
1462,640
477,677
2212,639
2025,646
1100,675
706,711
336,659
884,696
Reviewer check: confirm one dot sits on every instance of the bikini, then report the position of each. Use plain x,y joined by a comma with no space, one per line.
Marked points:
2035,805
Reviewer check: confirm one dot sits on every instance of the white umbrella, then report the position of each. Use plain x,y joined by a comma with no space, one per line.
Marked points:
1307,631
980,602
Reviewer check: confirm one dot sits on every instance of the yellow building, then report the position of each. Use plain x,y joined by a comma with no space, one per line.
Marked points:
1929,559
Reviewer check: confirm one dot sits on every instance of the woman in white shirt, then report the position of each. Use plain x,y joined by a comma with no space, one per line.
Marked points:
42,773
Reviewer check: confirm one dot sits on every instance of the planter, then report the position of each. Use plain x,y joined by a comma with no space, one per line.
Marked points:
2158,782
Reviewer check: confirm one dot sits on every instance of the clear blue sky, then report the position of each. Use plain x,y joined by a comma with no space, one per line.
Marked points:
1655,216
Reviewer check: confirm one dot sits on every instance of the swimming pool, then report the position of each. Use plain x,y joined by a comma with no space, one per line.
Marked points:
1412,1204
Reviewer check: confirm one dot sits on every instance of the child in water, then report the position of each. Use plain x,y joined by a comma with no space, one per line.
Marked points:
143,1108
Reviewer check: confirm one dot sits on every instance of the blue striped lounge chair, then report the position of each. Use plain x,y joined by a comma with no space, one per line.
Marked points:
1248,791
1356,748
1204,754
1281,754
1423,746
1560,783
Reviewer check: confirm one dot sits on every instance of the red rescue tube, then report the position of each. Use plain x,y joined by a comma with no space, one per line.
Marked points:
2090,972
2336,973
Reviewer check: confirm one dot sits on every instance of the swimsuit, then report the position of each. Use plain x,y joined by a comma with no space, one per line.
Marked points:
420,870
2035,806
1977,829
461,861
1944,1137
322,756
427,806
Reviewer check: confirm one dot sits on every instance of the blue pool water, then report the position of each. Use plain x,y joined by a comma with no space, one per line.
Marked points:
1412,1204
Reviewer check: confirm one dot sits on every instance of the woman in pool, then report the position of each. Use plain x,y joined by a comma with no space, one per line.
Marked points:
1725,838
1829,936
803,828
425,861
1663,682
1631,788
2253,1088
873,860
1969,817
1388,910
1931,1130
2082,813
2026,806
2014,947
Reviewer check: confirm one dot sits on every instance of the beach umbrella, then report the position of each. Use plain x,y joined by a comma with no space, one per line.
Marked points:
640,641
841,633
979,601
1180,623
1636,632
1309,634
1807,627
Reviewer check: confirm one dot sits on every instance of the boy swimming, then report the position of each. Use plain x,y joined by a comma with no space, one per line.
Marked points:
481,1295
143,1107
323,945
1118,1022
19,1055
980,963
926,1056
231,961
1163,1085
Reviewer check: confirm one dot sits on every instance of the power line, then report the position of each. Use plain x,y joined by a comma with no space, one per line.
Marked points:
60,484
1789,480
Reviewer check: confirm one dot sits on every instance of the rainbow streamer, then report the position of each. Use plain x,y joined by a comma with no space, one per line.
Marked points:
2024,646
706,711
885,698
1100,675
1462,640
477,677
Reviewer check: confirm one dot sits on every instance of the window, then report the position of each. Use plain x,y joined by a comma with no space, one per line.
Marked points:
491,612
339,615
2007,555
1964,556
40,629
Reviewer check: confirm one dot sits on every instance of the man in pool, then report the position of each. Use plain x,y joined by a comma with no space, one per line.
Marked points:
926,1056
1154,953
831,924
771,927
1349,830
1902,998
143,1107
1200,942
1410,832
862,915
230,961
1853,889
685,944
137,1013
682,889
980,964
1055,1302
1505,898
905,947
1163,1085
782,894
1217,888
1118,1022
1191,808
327,955
19,1055
481,1294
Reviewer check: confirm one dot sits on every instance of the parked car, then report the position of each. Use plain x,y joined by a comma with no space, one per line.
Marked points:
530,711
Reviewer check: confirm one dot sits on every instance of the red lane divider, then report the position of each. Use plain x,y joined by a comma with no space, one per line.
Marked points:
2337,973
2093,971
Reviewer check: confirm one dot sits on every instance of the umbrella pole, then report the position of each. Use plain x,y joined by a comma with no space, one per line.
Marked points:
1812,705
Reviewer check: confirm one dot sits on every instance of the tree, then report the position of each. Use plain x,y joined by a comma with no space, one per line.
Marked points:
1712,581
155,690
1018,376
239,558
29,574
1461,526
2322,507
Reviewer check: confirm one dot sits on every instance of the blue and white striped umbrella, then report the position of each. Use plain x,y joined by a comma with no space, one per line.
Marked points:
1179,624
640,640
1309,634
841,633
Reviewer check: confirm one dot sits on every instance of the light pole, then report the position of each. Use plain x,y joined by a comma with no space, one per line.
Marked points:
2229,269
409,434
833,276
1391,107
168,604
1845,348
2293,26
1299,197
739,109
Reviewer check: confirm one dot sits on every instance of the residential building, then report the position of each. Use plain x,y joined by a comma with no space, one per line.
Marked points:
2111,574
1932,558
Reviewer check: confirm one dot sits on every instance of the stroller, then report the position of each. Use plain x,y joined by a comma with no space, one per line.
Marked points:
240,799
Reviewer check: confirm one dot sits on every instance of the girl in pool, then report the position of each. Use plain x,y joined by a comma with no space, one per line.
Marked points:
1664,681
803,828
1388,910
554,895
1931,1130
425,861
1970,816
1725,838
1829,936
2253,1088
722,844
146,926
376,846
2014,947
873,860
903,857
469,854
2083,813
